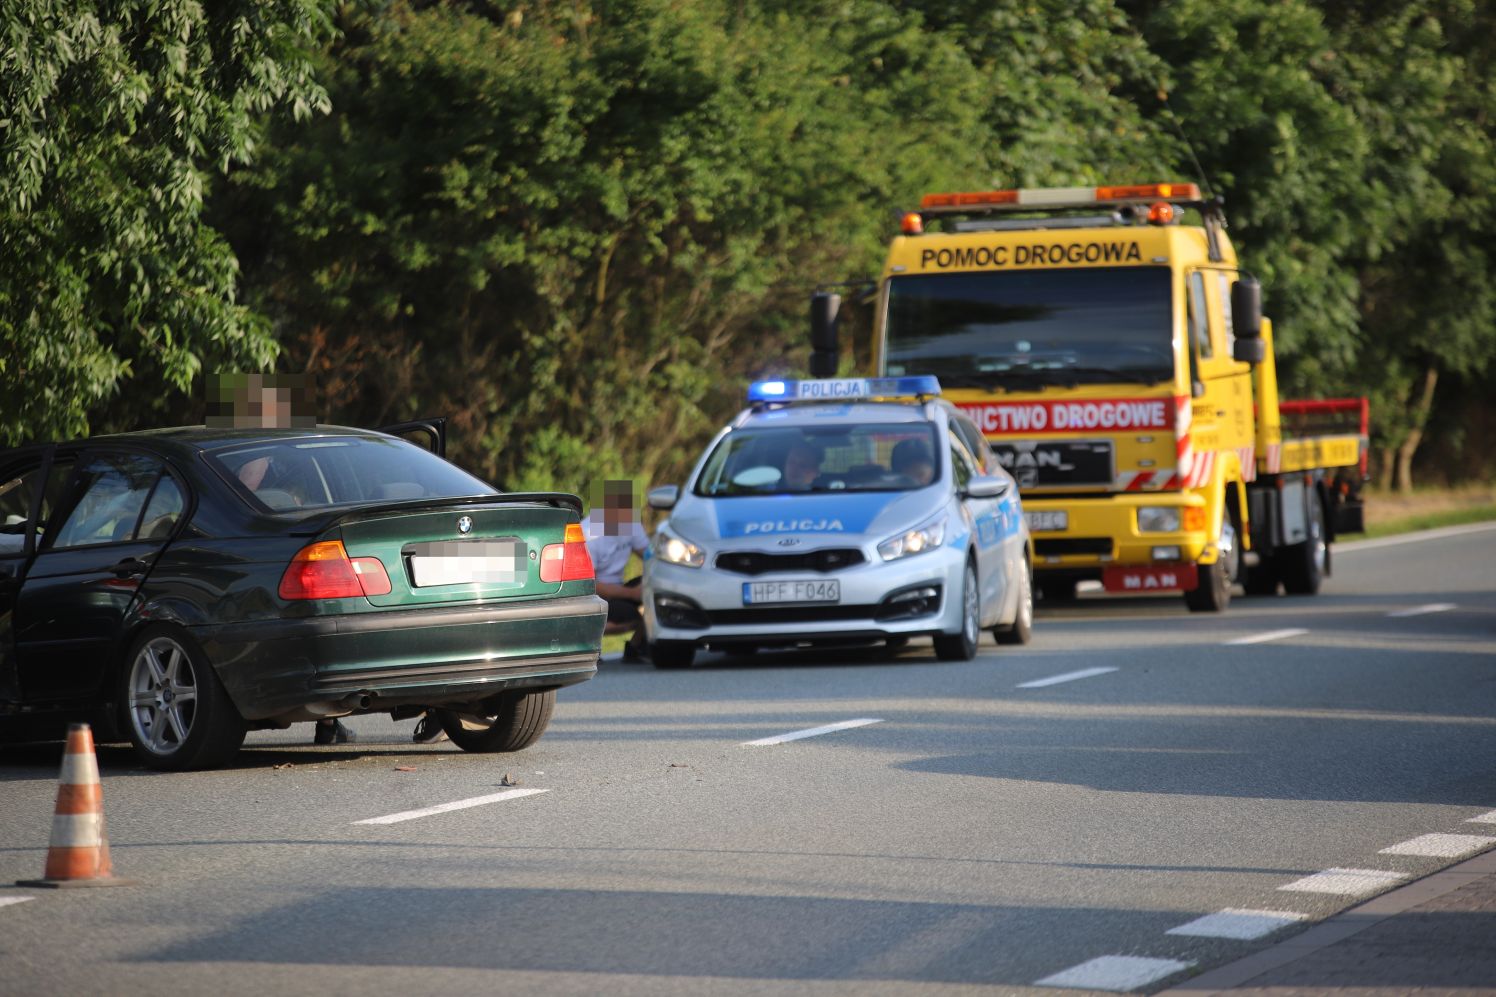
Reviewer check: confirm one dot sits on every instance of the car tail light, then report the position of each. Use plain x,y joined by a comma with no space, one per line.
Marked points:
569,561
324,570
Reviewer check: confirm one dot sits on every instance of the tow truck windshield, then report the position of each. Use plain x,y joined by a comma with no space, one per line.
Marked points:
1029,328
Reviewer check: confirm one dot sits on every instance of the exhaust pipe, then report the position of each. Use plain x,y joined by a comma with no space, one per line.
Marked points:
357,700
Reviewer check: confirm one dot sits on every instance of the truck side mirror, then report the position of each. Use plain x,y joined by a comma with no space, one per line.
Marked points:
825,346
1246,309
1252,351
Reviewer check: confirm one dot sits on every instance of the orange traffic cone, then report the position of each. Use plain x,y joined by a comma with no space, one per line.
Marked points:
78,854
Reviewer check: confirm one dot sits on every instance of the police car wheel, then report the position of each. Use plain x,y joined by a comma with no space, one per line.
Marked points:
962,645
1022,627
672,653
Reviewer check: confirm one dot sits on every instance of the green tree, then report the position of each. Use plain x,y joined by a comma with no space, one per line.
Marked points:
116,114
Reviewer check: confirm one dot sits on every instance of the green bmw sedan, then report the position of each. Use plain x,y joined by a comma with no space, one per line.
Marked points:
181,587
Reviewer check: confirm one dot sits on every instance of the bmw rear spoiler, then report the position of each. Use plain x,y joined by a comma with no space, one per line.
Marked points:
322,520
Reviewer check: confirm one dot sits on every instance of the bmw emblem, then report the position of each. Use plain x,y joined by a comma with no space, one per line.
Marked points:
465,524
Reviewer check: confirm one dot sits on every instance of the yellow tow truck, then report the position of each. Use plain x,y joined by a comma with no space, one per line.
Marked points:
1119,364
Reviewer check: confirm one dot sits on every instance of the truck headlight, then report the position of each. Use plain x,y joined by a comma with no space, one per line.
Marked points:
1158,519
675,550
926,536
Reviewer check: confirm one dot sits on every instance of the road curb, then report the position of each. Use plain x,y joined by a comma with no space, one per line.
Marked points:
1438,533
1338,928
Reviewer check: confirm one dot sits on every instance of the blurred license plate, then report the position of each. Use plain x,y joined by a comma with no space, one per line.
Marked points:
762,593
468,562
1047,521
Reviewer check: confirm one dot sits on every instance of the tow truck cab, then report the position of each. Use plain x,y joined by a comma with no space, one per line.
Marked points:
1120,366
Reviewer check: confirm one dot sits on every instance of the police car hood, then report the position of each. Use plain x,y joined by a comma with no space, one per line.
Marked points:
818,519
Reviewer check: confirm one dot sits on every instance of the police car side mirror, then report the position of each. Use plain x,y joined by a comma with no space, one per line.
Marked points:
663,497
987,486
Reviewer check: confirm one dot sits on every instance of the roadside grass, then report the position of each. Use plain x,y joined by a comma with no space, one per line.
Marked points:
1429,521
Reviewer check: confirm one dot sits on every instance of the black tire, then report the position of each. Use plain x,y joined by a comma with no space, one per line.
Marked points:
962,645
1022,627
1212,594
173,707
1262,579
518,721
1303,566
672,653
1055,589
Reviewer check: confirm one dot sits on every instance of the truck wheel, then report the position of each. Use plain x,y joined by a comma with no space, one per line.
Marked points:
1022,627
1303,566
177,714
1262,579
1055,589
1213,593
962,645
517,723
672,653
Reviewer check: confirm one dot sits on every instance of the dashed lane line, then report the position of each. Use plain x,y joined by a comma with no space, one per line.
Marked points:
1263,638
7,901
1114,972
1433,607
442,808
1346,882
1486,818
1442,846
1084,673
1242,925
811,732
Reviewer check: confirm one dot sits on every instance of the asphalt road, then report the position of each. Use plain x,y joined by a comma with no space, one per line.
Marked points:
992,829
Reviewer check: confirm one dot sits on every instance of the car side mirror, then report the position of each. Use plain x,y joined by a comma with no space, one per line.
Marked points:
988,486
663,497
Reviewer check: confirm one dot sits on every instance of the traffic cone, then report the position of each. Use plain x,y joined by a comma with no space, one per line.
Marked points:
78,854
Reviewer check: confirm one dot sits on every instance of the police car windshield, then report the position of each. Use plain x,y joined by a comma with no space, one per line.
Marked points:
793,459
309,473
1021,327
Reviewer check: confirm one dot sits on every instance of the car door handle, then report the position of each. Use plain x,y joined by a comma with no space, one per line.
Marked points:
130,566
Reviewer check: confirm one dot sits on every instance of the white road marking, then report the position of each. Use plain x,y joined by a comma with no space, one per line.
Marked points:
1263,638
7,901
1114,972
441,808
1084,673
812,732
1408,538
1347,882
1488,818
1244,925
1444,846
1433,607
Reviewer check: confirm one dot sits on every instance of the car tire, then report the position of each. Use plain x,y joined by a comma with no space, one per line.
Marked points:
518,721
173,708
1303,566
672,653
1022,628
1212,594
962,645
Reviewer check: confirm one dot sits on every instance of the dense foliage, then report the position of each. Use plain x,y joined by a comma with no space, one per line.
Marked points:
577,227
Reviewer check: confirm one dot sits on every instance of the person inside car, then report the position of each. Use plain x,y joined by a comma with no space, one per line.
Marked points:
912,459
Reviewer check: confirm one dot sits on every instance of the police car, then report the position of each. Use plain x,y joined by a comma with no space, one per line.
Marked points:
840,511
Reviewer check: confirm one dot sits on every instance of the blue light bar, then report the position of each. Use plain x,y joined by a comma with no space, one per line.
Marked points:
844,389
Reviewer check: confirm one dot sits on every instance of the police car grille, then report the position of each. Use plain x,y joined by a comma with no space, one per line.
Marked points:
791,614
752,562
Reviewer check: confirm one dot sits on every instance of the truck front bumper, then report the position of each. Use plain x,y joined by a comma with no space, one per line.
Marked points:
1102,531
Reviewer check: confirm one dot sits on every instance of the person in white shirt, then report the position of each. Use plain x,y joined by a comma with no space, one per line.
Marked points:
613,533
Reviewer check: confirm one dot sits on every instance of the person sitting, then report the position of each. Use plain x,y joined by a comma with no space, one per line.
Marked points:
802,466
613,534
913,460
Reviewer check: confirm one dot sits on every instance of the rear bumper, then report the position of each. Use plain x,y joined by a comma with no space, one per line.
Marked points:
320,666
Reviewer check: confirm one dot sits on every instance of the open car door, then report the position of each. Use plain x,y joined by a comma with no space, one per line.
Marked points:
428,434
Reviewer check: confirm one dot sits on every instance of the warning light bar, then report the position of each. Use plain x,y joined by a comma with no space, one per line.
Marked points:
1061,197
844,389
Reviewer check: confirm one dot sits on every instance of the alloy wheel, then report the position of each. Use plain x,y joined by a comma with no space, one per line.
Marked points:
163,696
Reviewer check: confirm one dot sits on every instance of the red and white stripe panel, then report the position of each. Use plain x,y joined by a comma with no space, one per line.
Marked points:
1248,457
1200,469
1184,453
1274,459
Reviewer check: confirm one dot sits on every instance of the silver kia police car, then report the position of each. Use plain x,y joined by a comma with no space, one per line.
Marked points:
842,511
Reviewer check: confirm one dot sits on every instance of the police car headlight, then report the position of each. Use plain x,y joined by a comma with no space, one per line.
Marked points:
915,541
1158,519
674,550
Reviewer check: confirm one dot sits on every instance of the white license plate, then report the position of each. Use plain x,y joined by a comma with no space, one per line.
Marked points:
764,593
1047,521
480,562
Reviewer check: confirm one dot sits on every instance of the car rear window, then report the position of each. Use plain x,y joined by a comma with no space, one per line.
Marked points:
330,471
